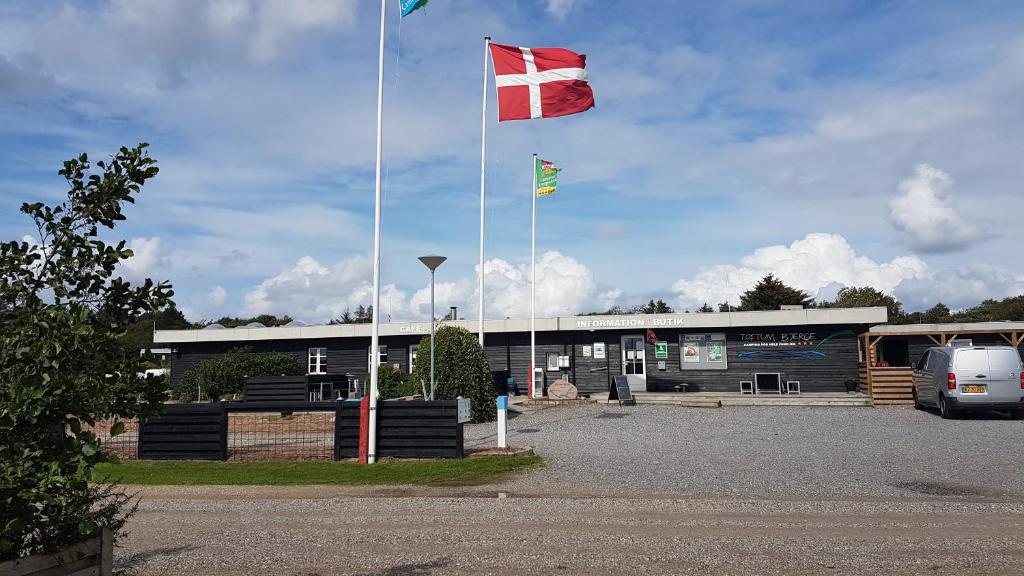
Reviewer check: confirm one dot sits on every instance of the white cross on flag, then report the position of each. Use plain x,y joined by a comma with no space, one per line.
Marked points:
540,82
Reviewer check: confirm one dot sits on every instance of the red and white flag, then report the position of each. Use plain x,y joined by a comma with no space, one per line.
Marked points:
540,82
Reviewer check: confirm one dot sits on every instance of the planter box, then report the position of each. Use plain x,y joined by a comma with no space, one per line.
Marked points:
94,557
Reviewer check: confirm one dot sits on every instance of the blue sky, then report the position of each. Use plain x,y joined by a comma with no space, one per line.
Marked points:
838,143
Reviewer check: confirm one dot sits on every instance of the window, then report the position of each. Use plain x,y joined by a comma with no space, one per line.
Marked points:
923,361
317,361
382,356
552,358
412,356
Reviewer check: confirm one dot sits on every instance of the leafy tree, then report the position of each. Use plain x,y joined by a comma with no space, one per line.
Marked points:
460,369
658,306
268,320
64,310
937,314
770,294
225,375
655,307
705,308
345,318
865,297
139,334
1008,309
726,307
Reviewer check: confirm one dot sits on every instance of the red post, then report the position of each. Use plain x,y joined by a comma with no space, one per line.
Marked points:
529,381
364,429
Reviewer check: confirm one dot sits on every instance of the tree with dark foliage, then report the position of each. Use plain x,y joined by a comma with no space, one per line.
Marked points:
63,366
770,294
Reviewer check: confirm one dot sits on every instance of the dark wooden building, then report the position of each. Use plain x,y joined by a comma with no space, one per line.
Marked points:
658,352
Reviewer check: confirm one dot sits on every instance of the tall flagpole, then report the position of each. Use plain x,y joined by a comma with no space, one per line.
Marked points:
533,281
375,334
483,166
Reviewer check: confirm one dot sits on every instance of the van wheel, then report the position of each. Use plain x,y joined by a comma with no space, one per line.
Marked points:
917,403
945,410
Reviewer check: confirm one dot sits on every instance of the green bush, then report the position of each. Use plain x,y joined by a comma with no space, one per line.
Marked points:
460,369
225,376
391,383
64,310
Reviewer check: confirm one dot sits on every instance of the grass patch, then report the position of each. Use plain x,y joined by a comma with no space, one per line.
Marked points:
466,472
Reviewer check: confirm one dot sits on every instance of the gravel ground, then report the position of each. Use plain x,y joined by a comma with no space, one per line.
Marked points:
638,490
769,451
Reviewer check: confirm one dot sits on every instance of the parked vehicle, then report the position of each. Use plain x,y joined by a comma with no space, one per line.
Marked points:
970,378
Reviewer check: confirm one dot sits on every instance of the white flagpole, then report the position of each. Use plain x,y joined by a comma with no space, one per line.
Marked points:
483,166
533,281
375,334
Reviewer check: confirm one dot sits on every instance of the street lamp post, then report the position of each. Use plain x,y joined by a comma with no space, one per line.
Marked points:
432,262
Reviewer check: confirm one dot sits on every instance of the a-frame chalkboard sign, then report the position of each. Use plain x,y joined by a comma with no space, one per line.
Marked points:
618,389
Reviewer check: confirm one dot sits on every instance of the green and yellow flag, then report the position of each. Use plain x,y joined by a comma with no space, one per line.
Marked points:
547,177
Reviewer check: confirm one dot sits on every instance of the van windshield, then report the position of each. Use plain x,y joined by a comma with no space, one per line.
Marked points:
973,359
1004,359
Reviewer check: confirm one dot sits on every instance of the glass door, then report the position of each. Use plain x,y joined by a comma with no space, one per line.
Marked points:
633,364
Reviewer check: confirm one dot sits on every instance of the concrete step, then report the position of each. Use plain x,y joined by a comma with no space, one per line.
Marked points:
715,400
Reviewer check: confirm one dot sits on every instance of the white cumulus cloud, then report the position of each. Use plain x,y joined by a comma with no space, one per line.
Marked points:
559,8
924,211
217,296
814,264
146,259
313,292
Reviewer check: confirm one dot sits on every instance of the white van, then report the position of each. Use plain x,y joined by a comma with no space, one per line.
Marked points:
975,377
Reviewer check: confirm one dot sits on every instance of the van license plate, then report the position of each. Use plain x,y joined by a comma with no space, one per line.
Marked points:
974,389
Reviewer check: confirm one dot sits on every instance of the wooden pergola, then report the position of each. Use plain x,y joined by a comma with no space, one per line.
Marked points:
893,384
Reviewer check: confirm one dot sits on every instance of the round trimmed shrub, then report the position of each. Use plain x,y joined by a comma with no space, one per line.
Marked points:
460,369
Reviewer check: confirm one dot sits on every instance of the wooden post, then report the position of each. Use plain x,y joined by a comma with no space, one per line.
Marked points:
364,430
107,552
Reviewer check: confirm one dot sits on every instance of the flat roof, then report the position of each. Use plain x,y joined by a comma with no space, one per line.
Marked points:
697,320
961,328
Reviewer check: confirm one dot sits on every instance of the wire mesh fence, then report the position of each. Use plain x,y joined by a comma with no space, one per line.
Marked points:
124,446
276,436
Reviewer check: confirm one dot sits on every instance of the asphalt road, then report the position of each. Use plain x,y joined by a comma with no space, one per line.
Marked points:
639,502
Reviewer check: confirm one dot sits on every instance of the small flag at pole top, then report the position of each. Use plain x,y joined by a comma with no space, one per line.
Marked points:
547,177
410,6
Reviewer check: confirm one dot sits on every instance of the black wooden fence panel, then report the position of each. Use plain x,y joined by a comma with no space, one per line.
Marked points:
276,389
185,432
413,429
419,429
346,430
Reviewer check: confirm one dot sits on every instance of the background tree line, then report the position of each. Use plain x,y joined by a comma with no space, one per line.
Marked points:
770,293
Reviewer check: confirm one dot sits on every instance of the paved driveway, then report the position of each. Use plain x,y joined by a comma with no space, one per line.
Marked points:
769,451
645,490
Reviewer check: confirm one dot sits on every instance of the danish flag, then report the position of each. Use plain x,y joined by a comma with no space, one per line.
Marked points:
540,82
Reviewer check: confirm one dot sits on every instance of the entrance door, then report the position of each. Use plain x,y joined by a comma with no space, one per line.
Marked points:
633,365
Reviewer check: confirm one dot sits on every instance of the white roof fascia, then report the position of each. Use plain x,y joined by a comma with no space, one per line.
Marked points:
803,317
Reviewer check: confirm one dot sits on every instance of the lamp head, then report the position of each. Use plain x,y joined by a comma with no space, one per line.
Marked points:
432,262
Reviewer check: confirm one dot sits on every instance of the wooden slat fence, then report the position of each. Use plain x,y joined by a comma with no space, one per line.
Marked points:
419,429
408,429
93,557
275,389
186,432
892,385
